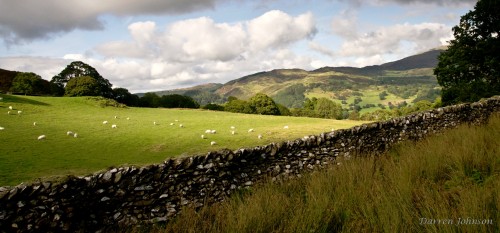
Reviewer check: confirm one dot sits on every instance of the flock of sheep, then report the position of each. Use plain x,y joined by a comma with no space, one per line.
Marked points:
114,126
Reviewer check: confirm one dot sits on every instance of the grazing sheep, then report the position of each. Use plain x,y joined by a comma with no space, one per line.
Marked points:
69,133
116,117
213,131
10,107
41,137
34,123
285,127
113,126
8,112
2,128
181,125
213,143
172,124
232,127
251,130
154,122
259,137
233,132
75,135
19,112
128,118
208,131
176,120
203,136
104,122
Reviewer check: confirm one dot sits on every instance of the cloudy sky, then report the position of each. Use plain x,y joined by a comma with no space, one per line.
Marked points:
150,45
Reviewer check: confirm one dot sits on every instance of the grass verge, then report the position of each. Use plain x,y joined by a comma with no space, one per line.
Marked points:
444,183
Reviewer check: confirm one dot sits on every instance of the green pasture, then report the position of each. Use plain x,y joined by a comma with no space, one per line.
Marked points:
136,141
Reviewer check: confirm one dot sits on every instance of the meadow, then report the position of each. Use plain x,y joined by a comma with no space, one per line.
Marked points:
135,141
444,183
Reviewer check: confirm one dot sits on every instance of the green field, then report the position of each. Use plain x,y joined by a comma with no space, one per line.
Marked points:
136,141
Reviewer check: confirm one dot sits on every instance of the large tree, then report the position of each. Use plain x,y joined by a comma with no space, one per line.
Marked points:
30,84
470,68
264,105
82,86
79,69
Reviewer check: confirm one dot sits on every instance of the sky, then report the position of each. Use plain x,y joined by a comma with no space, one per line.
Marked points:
153,45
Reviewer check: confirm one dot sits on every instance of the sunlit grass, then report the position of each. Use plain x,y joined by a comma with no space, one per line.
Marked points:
135,141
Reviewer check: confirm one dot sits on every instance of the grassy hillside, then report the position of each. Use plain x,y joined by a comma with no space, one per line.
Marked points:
134,141
445,183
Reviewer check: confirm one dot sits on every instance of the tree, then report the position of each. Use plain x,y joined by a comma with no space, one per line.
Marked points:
150,99
239,106
30,84
470,68
264,105
326,108
82,86
78,69
178,101
122,95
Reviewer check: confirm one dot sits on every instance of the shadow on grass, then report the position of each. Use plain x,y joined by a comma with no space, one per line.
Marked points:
20,99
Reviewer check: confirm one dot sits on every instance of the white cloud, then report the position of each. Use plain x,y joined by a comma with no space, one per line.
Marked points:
420,37
346,24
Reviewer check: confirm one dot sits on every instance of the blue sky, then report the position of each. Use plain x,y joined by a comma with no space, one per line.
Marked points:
153,45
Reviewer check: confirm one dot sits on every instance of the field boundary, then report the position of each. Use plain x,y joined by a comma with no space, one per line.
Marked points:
134,195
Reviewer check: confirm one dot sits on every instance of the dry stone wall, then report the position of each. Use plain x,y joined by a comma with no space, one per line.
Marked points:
136,195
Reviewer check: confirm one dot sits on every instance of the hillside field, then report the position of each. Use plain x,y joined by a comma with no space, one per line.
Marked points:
136,141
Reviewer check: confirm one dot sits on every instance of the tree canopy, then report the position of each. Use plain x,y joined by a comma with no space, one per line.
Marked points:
82,86
470,68
30,84
78,69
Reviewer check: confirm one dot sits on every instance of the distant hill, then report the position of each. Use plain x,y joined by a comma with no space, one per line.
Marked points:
408,79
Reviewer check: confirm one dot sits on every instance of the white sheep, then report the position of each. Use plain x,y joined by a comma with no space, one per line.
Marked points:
128,118
172,124
2,128
19,112
181,125
11,108
113,126
213,131
70,133
203,136
34,123
285,127
213,143
232,127
75,135
250,130
116,117
208,131
8,112
176,120
104,122
154,122
41,137
233,132
259,137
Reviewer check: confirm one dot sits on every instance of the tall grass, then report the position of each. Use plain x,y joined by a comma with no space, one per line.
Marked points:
426,186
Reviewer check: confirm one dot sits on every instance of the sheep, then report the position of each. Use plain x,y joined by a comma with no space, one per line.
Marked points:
172,124
69,133
19,112
232,127
75,135
233,132
116,117
41,137
213,143
259,137
11,108
213,131
251,130
8,112
176,120
113,126
285,127
2,128
104,122
154,122
34,123
203,136
181,126
208,131
128,118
